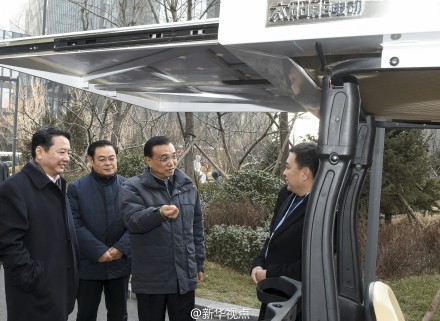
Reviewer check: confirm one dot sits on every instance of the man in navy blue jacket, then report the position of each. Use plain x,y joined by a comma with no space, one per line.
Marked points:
103,240
161,208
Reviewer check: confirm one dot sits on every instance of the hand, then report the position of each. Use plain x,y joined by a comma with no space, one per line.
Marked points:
258,274
106,257
169,211
200,277
115,253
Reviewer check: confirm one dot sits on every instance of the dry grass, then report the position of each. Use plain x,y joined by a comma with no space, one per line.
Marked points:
226,285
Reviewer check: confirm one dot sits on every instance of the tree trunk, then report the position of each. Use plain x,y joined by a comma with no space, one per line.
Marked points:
432,308
231,167
122,110
189,143
284,134
411,212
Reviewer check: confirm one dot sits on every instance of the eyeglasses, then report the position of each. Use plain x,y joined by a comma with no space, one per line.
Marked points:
166,159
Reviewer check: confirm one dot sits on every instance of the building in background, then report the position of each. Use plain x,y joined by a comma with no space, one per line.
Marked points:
7,94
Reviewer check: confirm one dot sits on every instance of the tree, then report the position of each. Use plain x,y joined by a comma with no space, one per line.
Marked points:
406,184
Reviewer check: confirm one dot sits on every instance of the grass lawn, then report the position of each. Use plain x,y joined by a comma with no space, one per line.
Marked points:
415,295
223,284
229,286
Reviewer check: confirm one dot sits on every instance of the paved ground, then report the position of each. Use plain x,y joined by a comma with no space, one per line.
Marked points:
132,308
206,310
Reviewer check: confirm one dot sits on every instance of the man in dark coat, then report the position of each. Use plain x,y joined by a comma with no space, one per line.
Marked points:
103,239
38,243
4,171
281,254
161,208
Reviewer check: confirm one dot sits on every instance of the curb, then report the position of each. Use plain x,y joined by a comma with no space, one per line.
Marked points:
208,309
219,310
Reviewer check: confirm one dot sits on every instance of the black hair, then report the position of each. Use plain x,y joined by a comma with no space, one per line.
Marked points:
43,137
155,141
100,143
307,156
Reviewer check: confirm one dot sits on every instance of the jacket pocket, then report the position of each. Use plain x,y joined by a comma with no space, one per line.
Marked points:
31,279
191,259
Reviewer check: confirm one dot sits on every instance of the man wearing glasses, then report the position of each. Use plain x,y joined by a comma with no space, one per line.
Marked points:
103,239
161,209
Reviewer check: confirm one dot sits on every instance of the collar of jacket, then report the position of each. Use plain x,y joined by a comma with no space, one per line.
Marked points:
38,176
107,180
179,179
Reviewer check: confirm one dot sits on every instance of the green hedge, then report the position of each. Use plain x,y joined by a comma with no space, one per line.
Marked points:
234,245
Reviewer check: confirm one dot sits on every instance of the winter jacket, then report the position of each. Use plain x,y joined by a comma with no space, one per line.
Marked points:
284,257
38,247
166,253
95,207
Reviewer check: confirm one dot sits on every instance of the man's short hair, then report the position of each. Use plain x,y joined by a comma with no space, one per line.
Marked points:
100,143
155,141
307,156
43,137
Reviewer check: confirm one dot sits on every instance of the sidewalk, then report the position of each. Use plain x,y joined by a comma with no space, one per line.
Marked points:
205,309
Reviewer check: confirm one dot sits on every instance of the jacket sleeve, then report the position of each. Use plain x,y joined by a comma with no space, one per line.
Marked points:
89,245
259,260
23,270
199,237
291,270
123,244
138,217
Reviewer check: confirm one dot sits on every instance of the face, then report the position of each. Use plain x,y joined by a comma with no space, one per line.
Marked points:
104,161
163,162
295,176
55,160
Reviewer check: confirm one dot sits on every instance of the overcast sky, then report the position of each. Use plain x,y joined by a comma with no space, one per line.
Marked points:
9,9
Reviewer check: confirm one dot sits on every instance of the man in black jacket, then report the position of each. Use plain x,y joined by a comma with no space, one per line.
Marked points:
281,254
38,243
103,239
4,171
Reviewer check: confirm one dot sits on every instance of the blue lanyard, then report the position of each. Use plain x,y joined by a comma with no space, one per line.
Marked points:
288,212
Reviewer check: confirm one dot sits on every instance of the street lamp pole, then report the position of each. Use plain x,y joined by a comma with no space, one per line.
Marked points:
44,16
14,142
14,134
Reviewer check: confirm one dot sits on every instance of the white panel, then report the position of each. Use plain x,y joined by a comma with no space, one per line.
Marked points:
420,50
244,22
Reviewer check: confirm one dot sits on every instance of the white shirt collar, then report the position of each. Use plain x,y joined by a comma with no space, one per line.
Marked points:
53,179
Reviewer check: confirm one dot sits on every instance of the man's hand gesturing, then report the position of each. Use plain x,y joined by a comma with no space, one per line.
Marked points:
169,211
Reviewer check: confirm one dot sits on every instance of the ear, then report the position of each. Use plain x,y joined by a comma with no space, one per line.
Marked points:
90,160
147,160
39,152
307,173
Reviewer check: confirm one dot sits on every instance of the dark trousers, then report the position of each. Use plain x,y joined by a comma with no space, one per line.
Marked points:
89,297
151,307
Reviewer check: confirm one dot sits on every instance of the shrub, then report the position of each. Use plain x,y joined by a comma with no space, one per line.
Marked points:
255,185
247,198
130,165
241,212
235,246
407,250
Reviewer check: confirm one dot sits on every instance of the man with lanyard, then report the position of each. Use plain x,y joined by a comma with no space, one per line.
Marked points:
281,254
